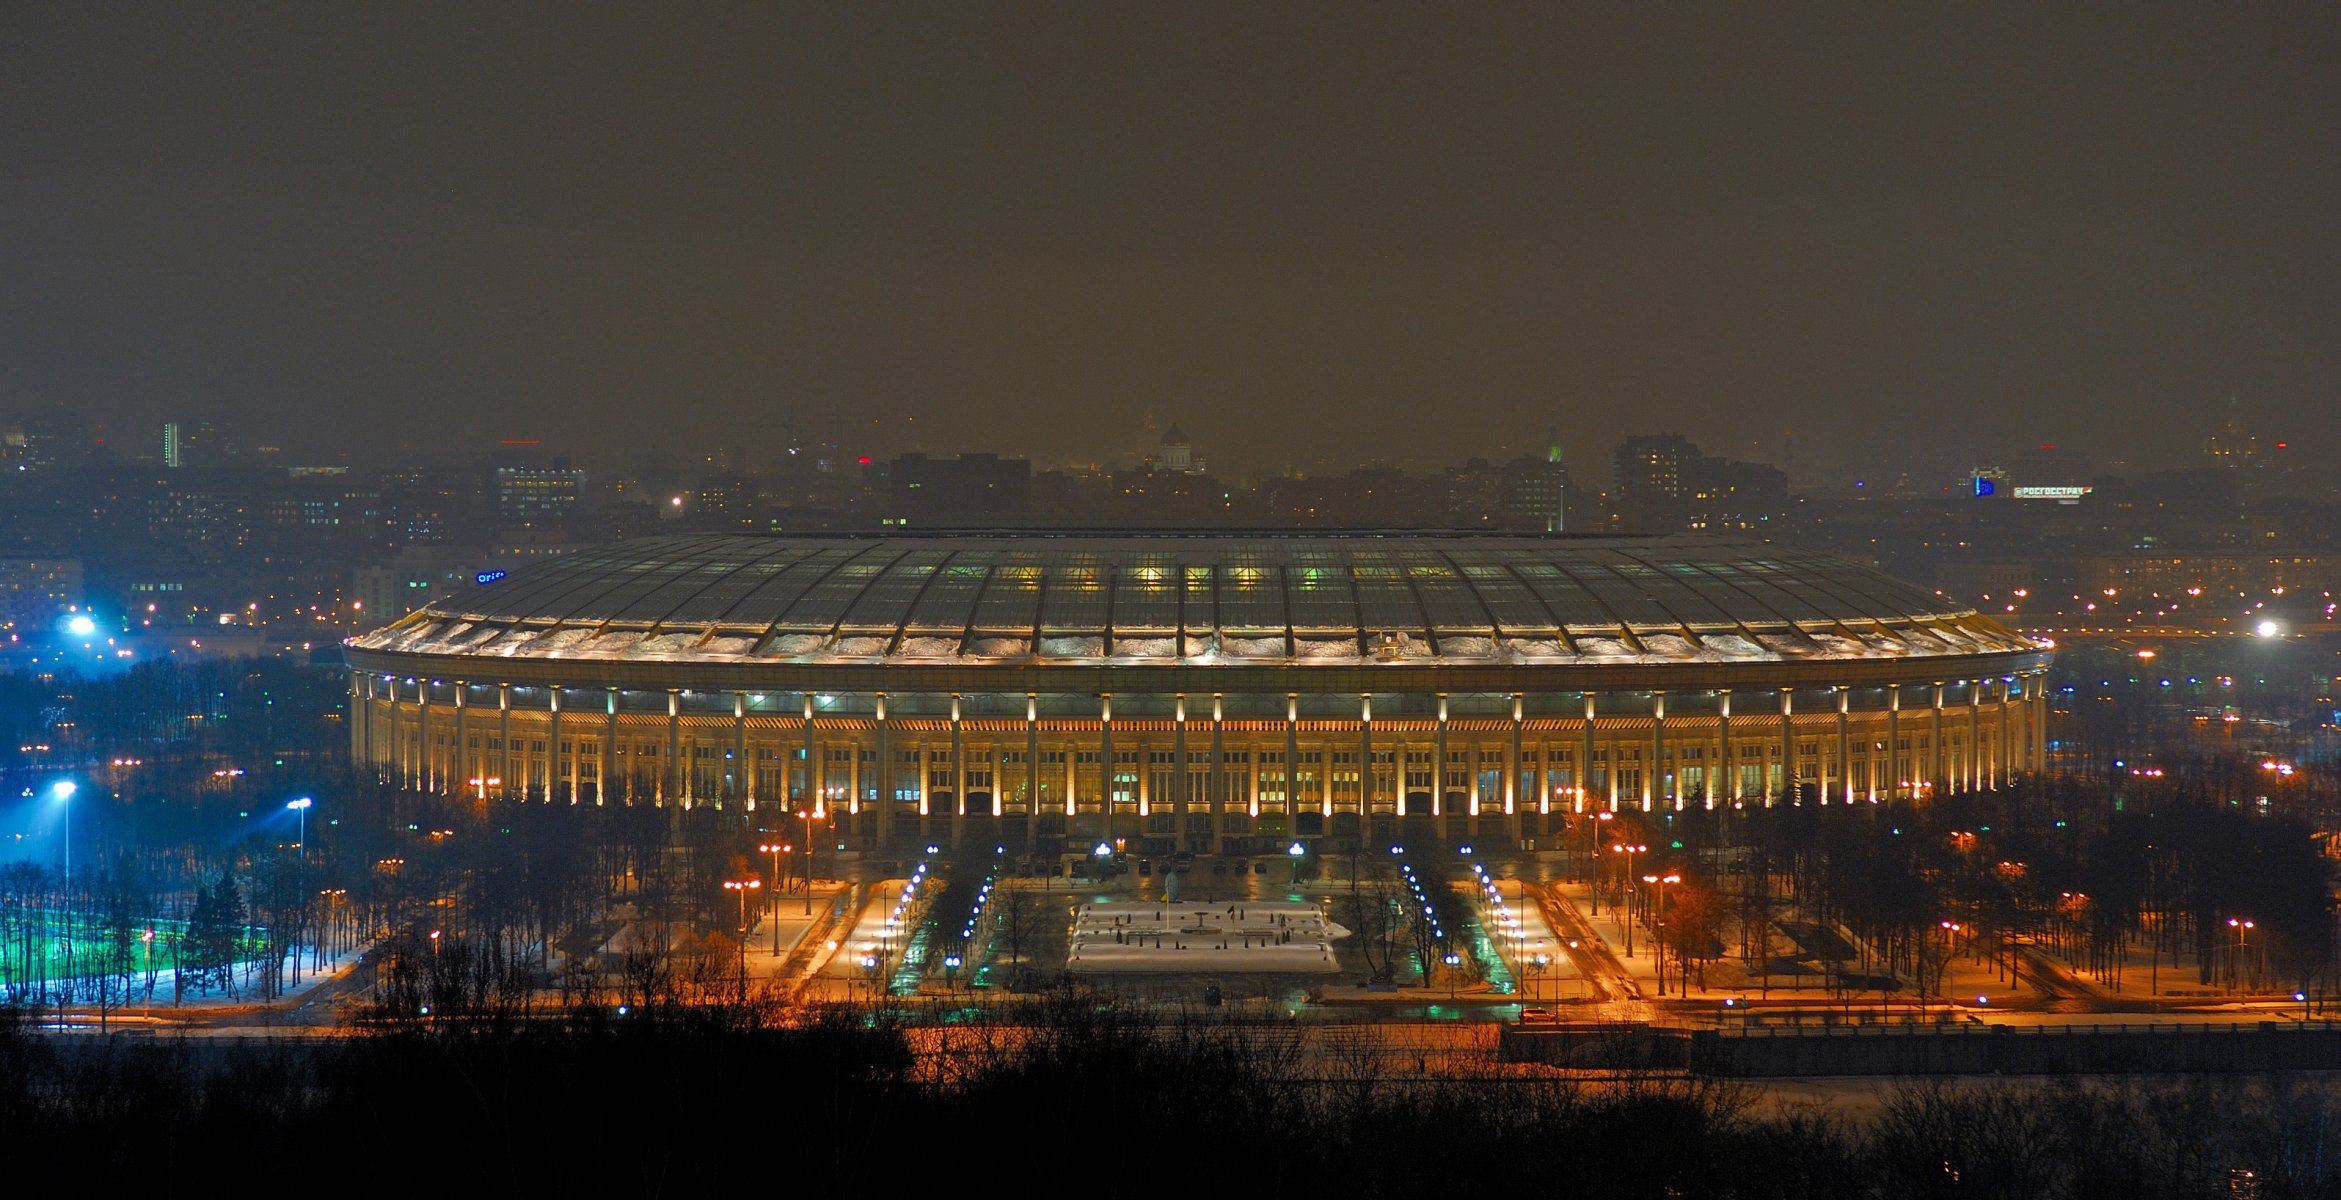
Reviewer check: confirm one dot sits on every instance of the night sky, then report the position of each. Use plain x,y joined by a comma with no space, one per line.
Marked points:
1310,235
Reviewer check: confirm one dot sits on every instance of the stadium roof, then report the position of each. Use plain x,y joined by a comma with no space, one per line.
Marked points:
1090,598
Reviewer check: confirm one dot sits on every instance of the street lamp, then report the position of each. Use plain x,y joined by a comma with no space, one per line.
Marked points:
776,849
2235,964
1951,931
1658,926
1295,851
1593,857
805,839
300,804
743,887
62,792
1629,850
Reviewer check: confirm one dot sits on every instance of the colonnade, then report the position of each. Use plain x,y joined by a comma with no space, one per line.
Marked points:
1198,777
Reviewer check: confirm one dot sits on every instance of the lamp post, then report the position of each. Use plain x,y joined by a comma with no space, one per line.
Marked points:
1593,856
300,805
743,887
62,791
1951,931
2235,963
1627,918
1295,852
1658,926
776,849
805,839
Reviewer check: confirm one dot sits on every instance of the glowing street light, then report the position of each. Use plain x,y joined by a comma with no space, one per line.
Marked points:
805,839
62,792
743,887
1660,924
1629,850
1593,856
300,804
1295,852
80,625
776,849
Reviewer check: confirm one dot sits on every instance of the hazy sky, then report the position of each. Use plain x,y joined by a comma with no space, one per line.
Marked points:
1306,234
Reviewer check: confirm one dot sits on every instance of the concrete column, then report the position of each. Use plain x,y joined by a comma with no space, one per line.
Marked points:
1844,747
503,737
1031,769
2040,703
461,768
1584,783
743,772
1788,746
1975,780
1654,787
1512,774
1106,765
1179,804
357,722
2011,729
601,792
853,787
808,797
667,784
1325,785
958,776
1471,785
1894,765
1292,757
1724,754
1937,778
1142,780
1216,786
426,761
1439,768
886,769
553,756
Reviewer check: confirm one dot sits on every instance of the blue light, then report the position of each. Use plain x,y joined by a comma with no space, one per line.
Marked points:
80,625
487,577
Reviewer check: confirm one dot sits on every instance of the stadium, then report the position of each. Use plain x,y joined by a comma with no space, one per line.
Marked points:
1208,693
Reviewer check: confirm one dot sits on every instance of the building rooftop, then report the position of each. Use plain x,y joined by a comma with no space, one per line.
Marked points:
1195,599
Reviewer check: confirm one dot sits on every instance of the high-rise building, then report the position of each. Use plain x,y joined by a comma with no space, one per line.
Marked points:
36,592
1651,482
535,495
200,443
1665,485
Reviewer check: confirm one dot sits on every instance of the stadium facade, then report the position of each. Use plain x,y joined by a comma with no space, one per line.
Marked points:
1204,692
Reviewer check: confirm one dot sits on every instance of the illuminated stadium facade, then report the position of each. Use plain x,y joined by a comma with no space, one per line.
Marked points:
1203,692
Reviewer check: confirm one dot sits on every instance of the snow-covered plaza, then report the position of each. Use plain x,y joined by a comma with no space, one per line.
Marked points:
1262,936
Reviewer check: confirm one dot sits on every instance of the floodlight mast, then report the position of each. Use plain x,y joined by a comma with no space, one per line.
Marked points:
63,790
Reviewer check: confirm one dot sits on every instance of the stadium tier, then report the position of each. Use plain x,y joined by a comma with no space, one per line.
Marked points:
1197,692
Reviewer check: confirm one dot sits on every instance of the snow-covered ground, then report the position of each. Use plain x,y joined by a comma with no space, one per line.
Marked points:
1263,936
